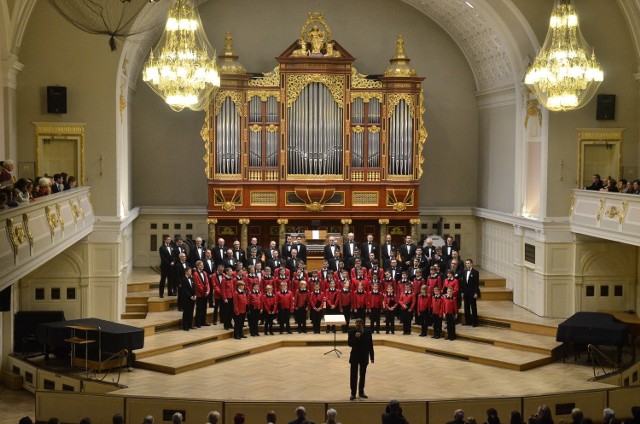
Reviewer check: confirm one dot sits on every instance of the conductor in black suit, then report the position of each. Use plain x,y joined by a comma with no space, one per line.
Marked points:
361,344
470,293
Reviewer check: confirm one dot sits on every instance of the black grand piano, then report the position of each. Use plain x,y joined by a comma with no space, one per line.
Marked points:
596,328
110,337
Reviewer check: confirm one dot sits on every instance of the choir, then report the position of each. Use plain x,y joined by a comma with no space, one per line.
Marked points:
358,288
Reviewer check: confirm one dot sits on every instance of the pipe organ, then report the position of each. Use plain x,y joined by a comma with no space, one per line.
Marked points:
314,138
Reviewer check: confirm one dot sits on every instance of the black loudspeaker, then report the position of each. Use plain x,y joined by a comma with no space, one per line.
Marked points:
56,99
5,299
606,110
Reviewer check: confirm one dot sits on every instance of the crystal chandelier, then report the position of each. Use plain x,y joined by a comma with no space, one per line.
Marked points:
182,67
565,75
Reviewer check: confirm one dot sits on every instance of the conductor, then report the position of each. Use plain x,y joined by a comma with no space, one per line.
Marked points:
361,344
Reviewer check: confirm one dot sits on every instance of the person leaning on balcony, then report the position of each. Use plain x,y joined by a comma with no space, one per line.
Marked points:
596,183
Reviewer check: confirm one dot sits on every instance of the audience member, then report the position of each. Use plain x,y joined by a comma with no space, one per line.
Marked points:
458,417
596,183
635,414
213,417
176,418
393,414
576,415
331,416
543,416
492,416
622,185
607,415
471,420
301,414
6,168
271,417
85,420
3,201
148,420
117,419
57,185
238,418
25,188
53,420
44,187
516,417
72,182
610,185
25,420
586,420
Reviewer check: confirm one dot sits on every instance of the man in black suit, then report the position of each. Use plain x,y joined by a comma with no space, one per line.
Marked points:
429,250
188,291
450,246
268,253
301,248
254,244
349,248
197,253
470,293
407,252
388,251
210,269
286,249
219,252
254,258
361,343
238,254
274,262
180,266
58,184
166,264
395,270
366,249
293,261
229,260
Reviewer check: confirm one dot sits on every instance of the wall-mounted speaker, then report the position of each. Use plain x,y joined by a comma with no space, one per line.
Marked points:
56,99
606,107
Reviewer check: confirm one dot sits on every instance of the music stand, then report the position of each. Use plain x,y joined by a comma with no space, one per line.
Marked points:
334,320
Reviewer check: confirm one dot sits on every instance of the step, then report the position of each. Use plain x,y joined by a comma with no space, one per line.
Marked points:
137,307
537,343
495,293
133,315
209,353
156,304
136,299
493,282
138,287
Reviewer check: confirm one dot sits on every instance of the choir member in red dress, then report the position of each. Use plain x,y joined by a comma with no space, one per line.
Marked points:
239,311
216,284
270,305
452,282
285,307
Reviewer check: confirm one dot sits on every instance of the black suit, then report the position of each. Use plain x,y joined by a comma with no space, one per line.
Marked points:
429,252
219,253
251,260
328,253
470,290
302,251
188,290
229,262
178,274
286,251
195,255
387,252
398,273
348,254
407,252
292,265
366,250
447,251
166,258
274,265
268,254
361,351
239,256
258,250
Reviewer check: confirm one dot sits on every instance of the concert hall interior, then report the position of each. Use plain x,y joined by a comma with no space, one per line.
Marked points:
398,117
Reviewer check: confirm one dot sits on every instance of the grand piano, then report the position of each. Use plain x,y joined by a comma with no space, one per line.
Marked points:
596,328
110,337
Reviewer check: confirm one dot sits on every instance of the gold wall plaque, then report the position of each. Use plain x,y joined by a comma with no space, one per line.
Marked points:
264,198
364,198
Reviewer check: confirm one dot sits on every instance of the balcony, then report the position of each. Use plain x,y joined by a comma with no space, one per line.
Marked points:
34,233
609,216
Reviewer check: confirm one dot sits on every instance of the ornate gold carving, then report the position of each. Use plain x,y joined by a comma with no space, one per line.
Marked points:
229,63
297,82
400,62
52,219
228,206
399,199
612,211
357,129
533,110
25,220
204,134
395,98
263,94
60,216
75,213
212,221
623,212
374,129
346,221
364,198
301,51
314,177
227,199
12,236
373,176
228,177
573,205
361,81
264,198
415,221
314,207
357,175
315,19
235,96
270,79
366,96
255,128
422,135
600,210
383,221
282,221
272,128
244,221
399,206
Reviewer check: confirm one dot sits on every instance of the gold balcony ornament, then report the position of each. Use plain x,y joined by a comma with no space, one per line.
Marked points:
400,62
565,75
182,67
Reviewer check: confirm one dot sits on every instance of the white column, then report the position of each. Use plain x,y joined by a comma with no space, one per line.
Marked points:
9,69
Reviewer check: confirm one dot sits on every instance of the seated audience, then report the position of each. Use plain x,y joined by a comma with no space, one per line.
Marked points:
576,416
72,182
543,416
610,185
596,183
3,201
458,417
331,416
148,420
623,185
301,414
492,416
25,420
238,418
25,188
85,420
635,414
271,417
6,168
213,417
608,415
516,417
393,414
44,187
117,419
176,418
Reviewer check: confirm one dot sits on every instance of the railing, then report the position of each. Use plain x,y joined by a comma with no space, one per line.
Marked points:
610,216
33,233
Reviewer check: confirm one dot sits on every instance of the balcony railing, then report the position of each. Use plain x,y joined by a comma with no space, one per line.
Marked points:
33,233
610,216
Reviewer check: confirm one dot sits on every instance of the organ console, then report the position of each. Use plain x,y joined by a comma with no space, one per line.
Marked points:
314,139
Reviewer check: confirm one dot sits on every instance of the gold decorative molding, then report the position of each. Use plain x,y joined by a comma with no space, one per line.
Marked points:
255,128
383,221
346,221
573,205
600,209
374,129
25,221
400,62
263,94
227,199
52,219
365,198
314,177
533,110
361,81
314,207
357,129
58,211
270,79
366,96
282,221
13,236
212,221
75,213
297,82
416,221
422,135
395,98
399,199
272,128
235,96
204,134
263,198
69,131
623,212
612,211
244,221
